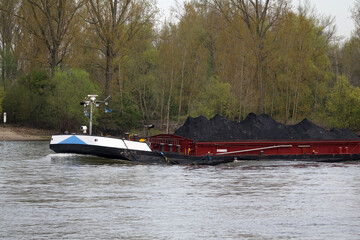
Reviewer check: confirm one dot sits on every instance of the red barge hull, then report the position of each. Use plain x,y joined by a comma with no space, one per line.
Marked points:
306,150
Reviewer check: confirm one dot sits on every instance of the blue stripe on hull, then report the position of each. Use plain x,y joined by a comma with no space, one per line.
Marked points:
72,140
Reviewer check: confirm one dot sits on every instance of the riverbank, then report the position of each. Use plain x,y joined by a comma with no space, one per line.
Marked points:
17,133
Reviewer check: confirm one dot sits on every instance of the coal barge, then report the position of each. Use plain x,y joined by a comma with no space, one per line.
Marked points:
173,149
232,151
177,149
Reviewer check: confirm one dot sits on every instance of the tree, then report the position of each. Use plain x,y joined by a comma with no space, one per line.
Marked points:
355,14
51,21
168,53
300,72
259,17
195,44
17,104
343,105
350,51
139,73
26,100
8,33
215,98
350,64
63,108
115,22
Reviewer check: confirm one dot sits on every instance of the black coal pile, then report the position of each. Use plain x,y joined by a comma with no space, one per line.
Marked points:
256,127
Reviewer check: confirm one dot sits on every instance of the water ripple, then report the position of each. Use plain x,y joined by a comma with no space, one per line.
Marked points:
65,196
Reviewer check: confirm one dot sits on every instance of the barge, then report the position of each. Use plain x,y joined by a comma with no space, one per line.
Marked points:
230,151
174,149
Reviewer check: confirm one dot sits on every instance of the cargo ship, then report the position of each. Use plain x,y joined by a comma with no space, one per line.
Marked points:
175,149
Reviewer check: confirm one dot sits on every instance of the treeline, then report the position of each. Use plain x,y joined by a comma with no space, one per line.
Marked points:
218,57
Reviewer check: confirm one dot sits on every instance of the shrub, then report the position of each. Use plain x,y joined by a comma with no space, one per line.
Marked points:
70,88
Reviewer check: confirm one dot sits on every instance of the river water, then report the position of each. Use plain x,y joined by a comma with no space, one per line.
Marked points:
62,196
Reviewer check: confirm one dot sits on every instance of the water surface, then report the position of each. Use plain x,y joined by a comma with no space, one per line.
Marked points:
63,196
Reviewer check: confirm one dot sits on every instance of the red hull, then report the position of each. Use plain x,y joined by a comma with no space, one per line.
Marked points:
174,143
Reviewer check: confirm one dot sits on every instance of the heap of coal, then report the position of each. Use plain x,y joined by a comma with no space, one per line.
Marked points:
256,127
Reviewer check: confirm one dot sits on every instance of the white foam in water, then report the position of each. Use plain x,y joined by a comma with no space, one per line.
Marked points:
67,157
63,155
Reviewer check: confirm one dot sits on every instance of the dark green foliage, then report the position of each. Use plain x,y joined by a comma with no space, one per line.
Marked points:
70,88
343,105
215,98
49,103
120,119
25,102
18,104
38,82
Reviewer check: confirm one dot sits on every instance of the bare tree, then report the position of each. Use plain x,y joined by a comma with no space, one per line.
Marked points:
259,16
115,21
8,32
355,14
51,21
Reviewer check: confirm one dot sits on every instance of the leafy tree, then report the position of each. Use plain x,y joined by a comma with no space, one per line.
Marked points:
17,104
69,89
196,44
26,100
350,66
37,82
168,63
139,69
215,98
115,22
260,17
123,118
343,105
51,22
301,68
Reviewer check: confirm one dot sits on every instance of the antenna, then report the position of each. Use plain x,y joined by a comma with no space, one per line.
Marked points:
90,100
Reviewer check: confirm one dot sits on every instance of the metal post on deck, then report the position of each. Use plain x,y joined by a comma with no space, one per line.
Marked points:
148,128
91,116
91,100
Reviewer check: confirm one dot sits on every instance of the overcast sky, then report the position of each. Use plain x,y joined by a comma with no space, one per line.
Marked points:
340,9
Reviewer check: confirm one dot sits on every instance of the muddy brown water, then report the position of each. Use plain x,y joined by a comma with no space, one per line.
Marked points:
63,196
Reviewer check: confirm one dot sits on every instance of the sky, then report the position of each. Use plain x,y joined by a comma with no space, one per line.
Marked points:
340,9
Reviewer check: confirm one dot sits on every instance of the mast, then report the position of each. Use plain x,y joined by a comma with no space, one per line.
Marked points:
90,100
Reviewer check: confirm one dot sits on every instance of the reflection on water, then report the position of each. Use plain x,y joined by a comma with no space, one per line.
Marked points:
77,159
64,196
